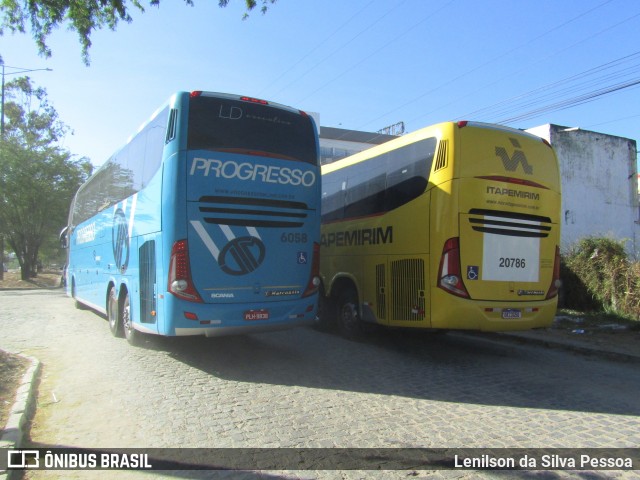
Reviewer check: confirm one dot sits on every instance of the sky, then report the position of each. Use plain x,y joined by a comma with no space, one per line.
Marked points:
361,64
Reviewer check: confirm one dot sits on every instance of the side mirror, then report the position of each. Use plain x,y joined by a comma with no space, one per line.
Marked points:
64,239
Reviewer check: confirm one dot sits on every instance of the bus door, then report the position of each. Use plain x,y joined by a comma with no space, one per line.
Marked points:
509,206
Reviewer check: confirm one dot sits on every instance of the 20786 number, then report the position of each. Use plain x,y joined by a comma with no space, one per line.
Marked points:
506,262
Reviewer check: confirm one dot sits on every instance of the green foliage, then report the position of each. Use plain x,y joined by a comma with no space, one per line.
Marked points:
29,118
37,178
598,275
83,16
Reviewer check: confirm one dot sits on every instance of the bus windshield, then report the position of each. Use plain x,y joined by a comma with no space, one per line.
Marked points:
249,128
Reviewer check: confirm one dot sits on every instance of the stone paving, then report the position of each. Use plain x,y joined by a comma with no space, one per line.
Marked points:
304,388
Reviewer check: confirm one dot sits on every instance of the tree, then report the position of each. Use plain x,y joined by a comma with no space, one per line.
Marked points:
84,16
37,178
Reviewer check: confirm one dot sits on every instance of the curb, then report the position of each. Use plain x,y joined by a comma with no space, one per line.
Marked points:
583,349
14,432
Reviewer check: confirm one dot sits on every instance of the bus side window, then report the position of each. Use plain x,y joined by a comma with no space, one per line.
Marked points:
408,169
332,197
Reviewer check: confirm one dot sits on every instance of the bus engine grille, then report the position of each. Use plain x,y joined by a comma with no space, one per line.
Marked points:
408,292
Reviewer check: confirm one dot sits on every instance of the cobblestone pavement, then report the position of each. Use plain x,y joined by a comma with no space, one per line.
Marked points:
305,388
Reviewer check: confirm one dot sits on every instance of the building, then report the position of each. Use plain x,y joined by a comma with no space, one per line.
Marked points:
599,184
337,143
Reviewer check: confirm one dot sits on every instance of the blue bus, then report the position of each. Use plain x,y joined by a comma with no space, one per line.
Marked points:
207,222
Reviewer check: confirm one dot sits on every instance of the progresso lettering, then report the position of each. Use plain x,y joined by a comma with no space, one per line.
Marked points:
86,234
252,172
365,236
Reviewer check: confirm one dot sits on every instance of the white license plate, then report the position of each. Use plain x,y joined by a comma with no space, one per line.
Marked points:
251,315
511,313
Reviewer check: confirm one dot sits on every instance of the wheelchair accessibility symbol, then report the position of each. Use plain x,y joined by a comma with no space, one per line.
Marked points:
472,272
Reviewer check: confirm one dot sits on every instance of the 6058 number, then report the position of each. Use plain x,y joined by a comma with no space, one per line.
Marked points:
293,238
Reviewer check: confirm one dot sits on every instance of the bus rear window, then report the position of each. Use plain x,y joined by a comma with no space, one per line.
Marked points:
248,128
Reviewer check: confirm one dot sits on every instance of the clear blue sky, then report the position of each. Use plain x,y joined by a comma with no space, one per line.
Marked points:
361,64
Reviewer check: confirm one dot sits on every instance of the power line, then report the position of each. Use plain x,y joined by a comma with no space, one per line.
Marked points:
317,64
612,121
487,110
571,102
313,50
594,83
475,69
375,52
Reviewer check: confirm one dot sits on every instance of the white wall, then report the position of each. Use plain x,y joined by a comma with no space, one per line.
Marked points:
599,185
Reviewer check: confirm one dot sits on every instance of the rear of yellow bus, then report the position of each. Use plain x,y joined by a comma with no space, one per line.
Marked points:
497,266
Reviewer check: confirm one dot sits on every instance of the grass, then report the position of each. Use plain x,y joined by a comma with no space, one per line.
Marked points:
598,275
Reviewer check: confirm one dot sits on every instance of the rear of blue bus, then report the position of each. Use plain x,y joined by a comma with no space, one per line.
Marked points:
244,226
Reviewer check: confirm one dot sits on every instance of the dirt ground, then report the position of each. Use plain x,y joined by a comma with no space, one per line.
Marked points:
12,368
49,279
595,330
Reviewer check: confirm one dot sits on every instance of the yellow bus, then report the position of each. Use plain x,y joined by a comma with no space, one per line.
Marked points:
454,226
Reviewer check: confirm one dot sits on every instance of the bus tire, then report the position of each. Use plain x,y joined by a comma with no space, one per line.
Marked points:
326,310
348,317
113,314
130,333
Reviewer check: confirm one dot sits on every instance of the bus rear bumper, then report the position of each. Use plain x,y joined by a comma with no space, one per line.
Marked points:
238,319
492,316
222,331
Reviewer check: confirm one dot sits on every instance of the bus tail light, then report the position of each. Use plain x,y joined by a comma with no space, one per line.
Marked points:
254,100
556,283
314,276
180,283
449,274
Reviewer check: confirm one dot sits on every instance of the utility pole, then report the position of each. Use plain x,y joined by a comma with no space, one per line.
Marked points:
18,71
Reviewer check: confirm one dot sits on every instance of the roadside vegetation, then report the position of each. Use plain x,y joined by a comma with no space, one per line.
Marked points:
599,277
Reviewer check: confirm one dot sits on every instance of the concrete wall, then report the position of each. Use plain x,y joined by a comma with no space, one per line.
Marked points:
599,185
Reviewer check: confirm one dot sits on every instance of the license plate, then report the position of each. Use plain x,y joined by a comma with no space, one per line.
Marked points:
510,313
251,315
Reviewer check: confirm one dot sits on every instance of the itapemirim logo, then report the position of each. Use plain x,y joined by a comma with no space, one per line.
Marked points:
511,162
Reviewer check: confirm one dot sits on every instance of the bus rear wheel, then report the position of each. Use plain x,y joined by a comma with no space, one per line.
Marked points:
130,333
348,318
326,313
113,314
